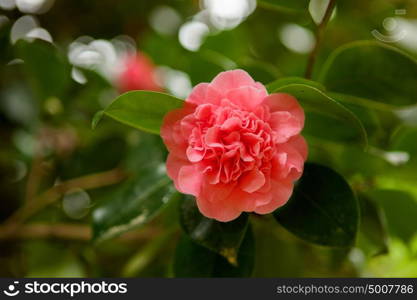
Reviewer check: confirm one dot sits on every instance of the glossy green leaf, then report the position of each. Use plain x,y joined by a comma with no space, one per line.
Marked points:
146,255
194,260
372,70
97,118
93,93
298,6
138,200
211,62
322,210
223,238
359,101
378,120
373,224
48,69
143,110
402,178
228,43
353,161
277,255
405,140
279,83
325,117
400,209
260,71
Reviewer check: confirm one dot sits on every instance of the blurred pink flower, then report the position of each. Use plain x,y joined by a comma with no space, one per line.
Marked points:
138,73
235,148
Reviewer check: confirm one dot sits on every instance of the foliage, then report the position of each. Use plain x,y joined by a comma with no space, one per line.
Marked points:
98,201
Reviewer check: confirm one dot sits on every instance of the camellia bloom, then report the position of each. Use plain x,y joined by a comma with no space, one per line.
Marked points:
234,147
138,73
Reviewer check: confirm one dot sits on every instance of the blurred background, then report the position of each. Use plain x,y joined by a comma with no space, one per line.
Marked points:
62,61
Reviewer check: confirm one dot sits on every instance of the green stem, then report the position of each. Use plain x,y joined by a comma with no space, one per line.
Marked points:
319,37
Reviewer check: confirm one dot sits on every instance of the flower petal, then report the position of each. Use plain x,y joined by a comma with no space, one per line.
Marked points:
213,203
246,97
219,212
216,192
194,155
288,163
173,166
189,180
171,131
248,202
284,102
204,93
252,181
299,143
198,94
285,125
229,80
138,74
281,191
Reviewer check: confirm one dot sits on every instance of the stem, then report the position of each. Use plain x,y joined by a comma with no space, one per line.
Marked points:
54,193
147,253
68,231
319,37
35,175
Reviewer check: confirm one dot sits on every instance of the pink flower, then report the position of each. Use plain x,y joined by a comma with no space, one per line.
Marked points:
138,74
235,148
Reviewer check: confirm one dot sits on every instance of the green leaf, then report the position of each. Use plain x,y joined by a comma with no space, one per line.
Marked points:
48,69
322,210
97,118
223,238
377,121
360,101
279,83
372,70
145,255
325,117
138,200
299,6
259,70
353,161
143,110
91,95
277,254
194,260
400,209
211,62
228,43
373,224
405,140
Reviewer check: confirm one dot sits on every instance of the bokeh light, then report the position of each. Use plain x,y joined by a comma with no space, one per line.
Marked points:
228,14
192,34
34,6
76,203
177,82
297,38
7,4
165,20
21,27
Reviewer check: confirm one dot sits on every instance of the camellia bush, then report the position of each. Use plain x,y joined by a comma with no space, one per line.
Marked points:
276,138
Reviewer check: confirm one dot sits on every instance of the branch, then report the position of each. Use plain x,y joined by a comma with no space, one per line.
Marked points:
319,37
66,231
35,175
54,193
